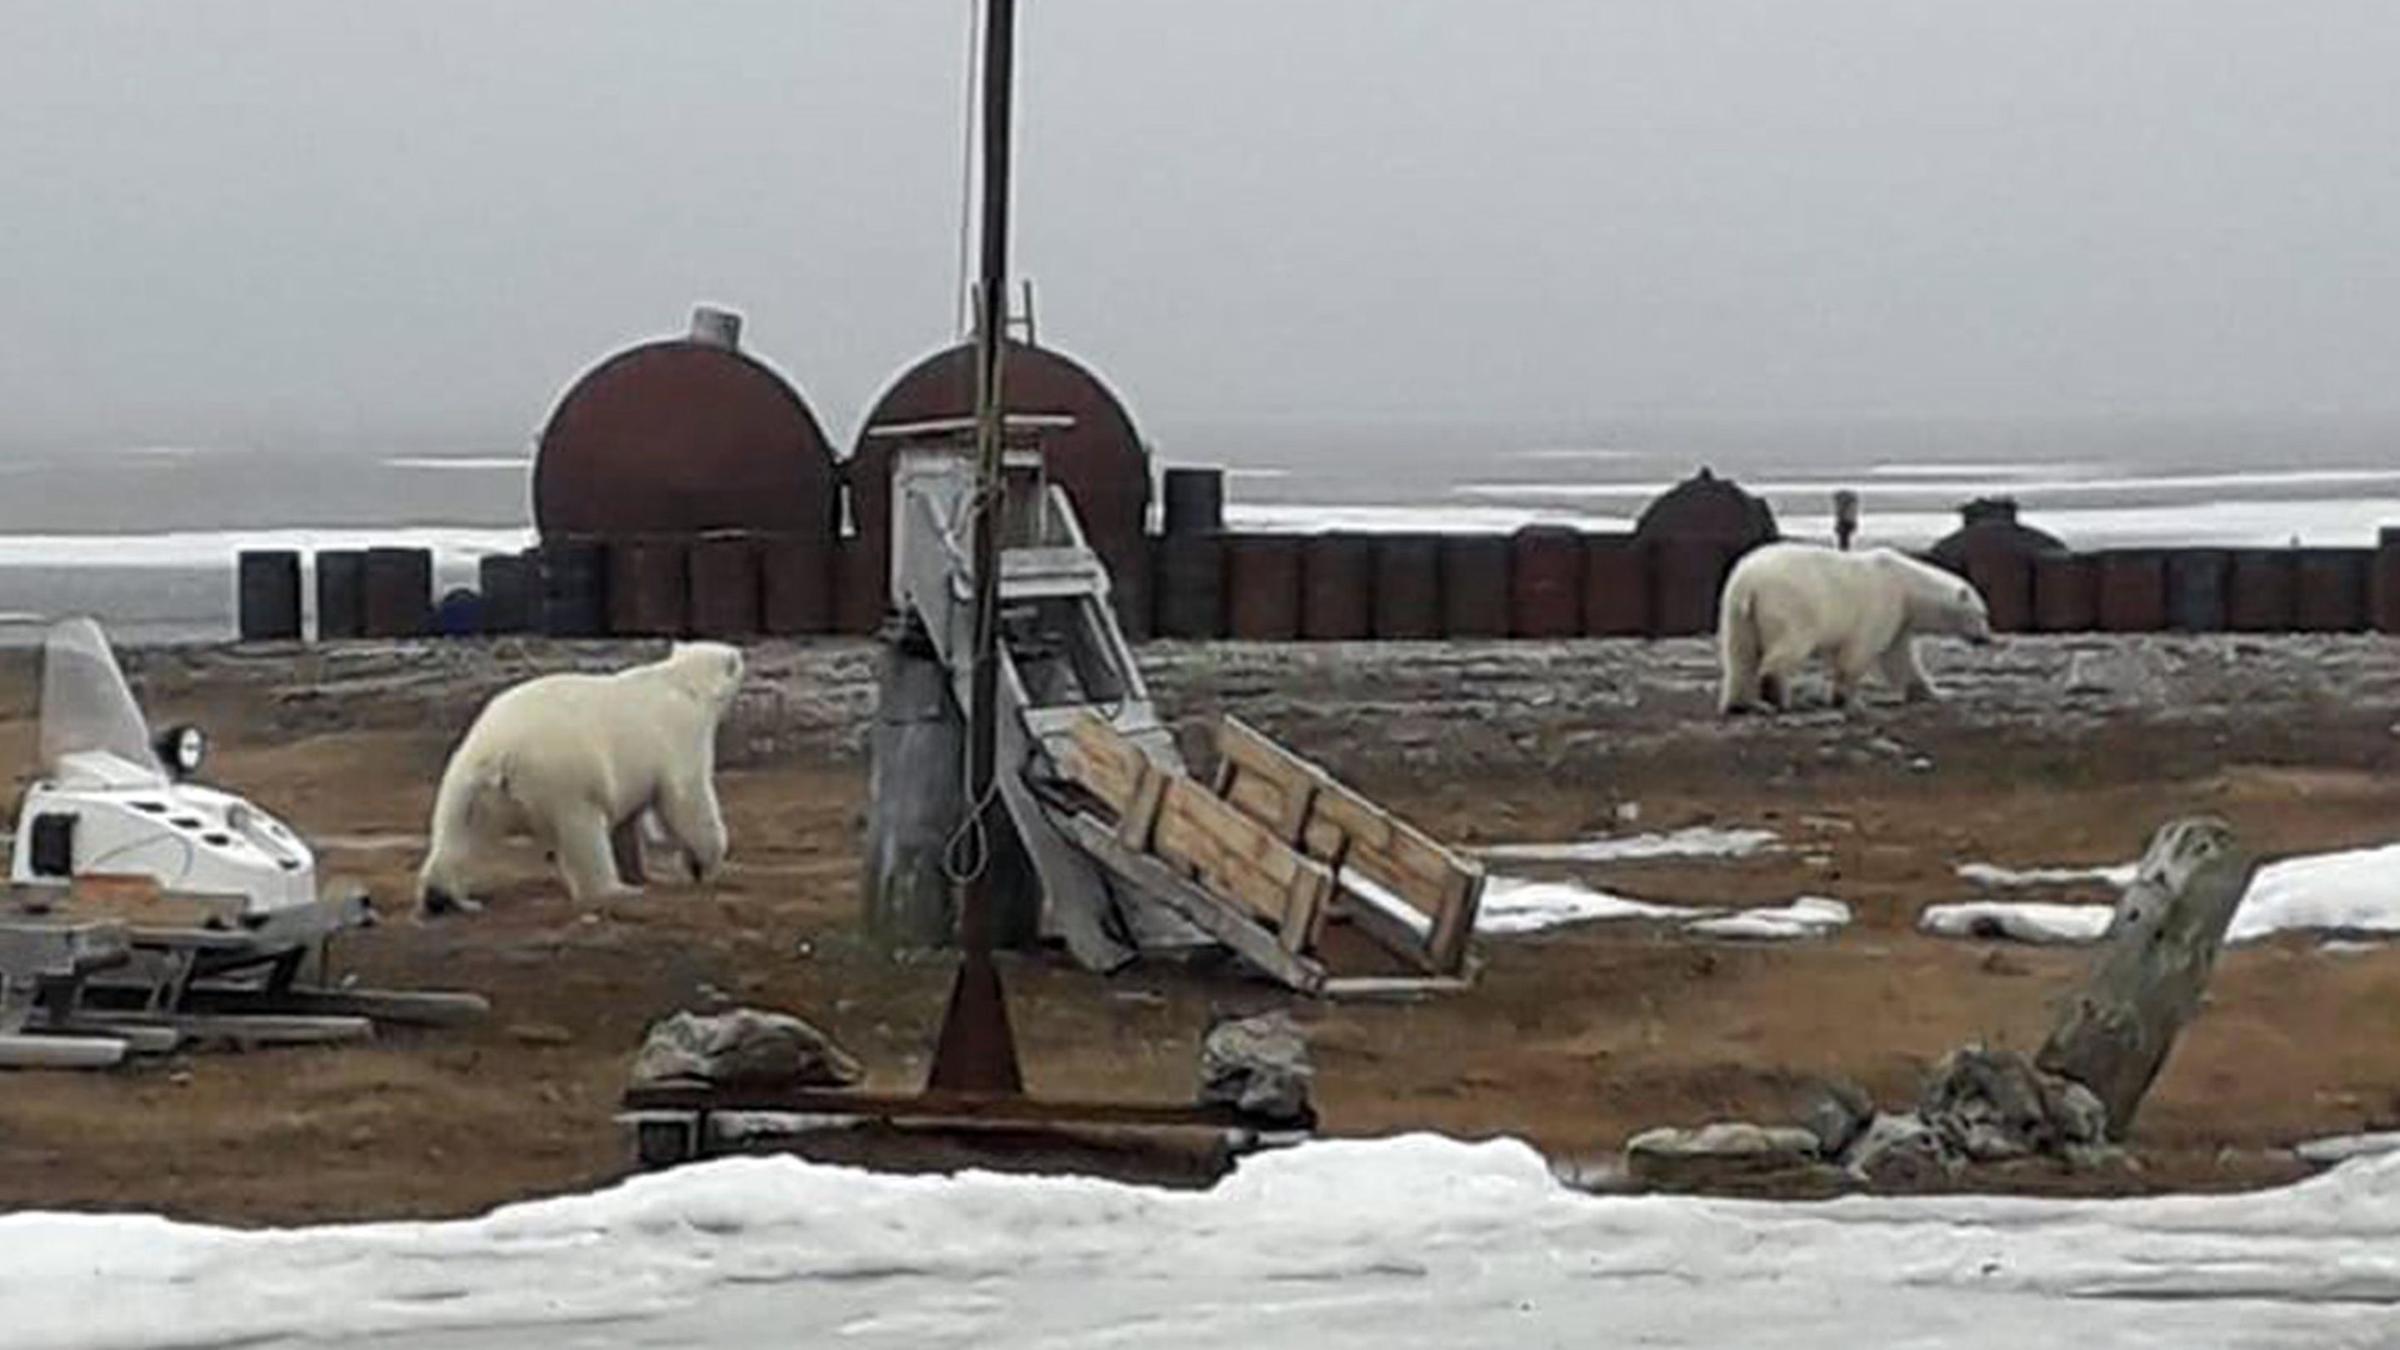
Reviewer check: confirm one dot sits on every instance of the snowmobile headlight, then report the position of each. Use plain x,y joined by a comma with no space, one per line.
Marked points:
183,747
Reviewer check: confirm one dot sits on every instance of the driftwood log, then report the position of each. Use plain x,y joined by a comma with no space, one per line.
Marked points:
2114,1034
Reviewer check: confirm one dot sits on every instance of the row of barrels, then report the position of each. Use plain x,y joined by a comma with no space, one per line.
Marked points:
2194,590
1541,582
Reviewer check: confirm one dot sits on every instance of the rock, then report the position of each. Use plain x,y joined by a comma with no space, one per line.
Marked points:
1719,1154
743,1047
1260,1067
2075,1111
1989,1104
1902,1153
540,1033
1837,1112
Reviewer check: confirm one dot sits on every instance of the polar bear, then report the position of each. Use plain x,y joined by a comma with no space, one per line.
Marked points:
569,758
1787,603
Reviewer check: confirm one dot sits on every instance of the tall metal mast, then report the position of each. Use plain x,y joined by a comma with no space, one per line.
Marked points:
977,1052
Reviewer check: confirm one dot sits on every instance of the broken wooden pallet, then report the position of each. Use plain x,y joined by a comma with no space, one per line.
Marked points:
1278,852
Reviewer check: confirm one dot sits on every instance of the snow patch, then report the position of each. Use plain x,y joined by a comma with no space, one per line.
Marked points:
2003,878
1332,1245
1699,841
1520,905
1809,916
2022,921
2353,893
1517,905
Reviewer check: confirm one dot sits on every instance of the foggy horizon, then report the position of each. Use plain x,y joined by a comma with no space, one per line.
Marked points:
269,224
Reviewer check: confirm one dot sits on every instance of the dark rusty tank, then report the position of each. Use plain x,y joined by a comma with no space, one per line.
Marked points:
1707,509
1100,461
684,436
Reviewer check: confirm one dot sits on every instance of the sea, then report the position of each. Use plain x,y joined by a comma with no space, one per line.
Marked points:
144,537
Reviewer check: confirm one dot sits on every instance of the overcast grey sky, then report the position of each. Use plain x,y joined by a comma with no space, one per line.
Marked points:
303,221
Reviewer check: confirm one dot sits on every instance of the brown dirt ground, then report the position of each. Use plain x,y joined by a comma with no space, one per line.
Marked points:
1573,1039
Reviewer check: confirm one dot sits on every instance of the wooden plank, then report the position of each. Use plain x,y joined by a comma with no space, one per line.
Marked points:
1395,925
1454,925
1396,988
1234,854
1139,819
60,1052
1104,763
1212,914
2114,1034
1334,824
243,1029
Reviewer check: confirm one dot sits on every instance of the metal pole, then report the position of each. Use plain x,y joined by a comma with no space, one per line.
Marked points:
991,332
977,1052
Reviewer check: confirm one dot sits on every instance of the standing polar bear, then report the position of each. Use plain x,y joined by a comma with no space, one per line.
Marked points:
1786,604
569,758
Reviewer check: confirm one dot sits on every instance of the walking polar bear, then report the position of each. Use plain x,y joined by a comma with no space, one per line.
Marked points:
569,758
1786,604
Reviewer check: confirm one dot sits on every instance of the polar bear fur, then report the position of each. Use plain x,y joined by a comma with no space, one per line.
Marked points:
569,758
1786,604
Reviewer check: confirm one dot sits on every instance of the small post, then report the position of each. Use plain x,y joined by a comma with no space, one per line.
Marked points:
2114,1034
1845,517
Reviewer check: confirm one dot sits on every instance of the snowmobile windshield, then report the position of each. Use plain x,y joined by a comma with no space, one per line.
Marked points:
86,704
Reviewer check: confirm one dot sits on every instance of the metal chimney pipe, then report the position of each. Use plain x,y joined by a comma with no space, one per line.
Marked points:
713,327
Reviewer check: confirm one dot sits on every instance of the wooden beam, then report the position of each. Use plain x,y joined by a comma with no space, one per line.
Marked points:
1213,915
2114,1034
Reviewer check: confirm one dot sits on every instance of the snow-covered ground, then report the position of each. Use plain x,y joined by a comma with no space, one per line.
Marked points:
1698,841
2355,892
1412,1241
1515,905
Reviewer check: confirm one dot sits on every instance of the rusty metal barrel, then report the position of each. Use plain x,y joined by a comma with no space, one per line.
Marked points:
862,585
574,576
2066,594
460,614
1408,587
1475,585
341,593
648,586
2197,590
1687,575
1262,587
2004,578
1337,588
725,586
795,584
267,594
508,587
1132,590
1195,501
1188,580
1545,582
2329,589
2258,590
2383,589
1616,586
399,592
2132,590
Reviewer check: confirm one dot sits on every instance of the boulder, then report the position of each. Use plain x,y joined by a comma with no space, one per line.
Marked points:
745,1047
1902,1153
1720,1154
1836,1112
1260,1067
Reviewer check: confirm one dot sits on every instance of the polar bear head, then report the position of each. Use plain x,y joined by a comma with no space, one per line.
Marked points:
710,671
1938,601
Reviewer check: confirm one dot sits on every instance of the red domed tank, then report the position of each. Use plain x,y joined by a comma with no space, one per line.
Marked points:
1099,461
682,436
1706,507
